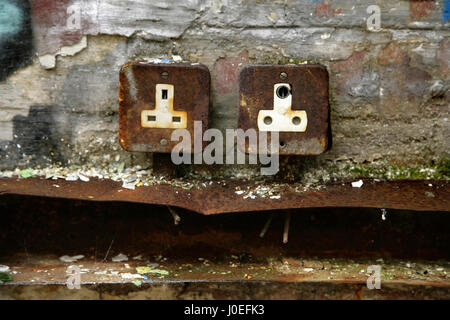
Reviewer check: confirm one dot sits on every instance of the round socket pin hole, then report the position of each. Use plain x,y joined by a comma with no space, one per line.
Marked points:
282,144
296,120
268,120
283,92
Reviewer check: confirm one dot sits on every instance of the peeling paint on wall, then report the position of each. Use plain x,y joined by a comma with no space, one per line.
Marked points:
48,61
62,23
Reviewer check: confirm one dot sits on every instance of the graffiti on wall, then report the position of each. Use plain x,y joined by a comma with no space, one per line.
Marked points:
16,36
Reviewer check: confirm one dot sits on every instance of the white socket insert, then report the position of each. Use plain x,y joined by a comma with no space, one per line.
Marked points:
282,118
163,116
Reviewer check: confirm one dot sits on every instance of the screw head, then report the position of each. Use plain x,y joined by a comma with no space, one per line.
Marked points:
164,75
283,75
164,142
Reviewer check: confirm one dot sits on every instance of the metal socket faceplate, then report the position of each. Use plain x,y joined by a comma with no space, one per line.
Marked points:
156,99
290,99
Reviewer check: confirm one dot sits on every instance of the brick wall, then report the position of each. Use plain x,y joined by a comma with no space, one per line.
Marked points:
388,88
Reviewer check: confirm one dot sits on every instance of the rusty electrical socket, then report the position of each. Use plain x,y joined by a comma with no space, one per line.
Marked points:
290,99
157,98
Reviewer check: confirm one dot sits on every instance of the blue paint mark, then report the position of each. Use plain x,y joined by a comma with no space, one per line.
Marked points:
11,19
446,10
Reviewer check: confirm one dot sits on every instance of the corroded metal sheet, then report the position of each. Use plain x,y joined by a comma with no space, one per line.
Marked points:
221,196
303,105
156,99
226,278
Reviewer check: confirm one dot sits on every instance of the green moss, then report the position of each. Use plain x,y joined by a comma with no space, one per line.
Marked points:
5,277
443,167
439,171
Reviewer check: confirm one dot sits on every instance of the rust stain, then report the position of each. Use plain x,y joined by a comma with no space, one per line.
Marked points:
443,57
226,71
323,9
354,62
403,85
359,292
392,54
294,277
348,72
421,8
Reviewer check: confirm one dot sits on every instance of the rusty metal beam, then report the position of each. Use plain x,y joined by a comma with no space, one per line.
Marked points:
221,196
44,277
